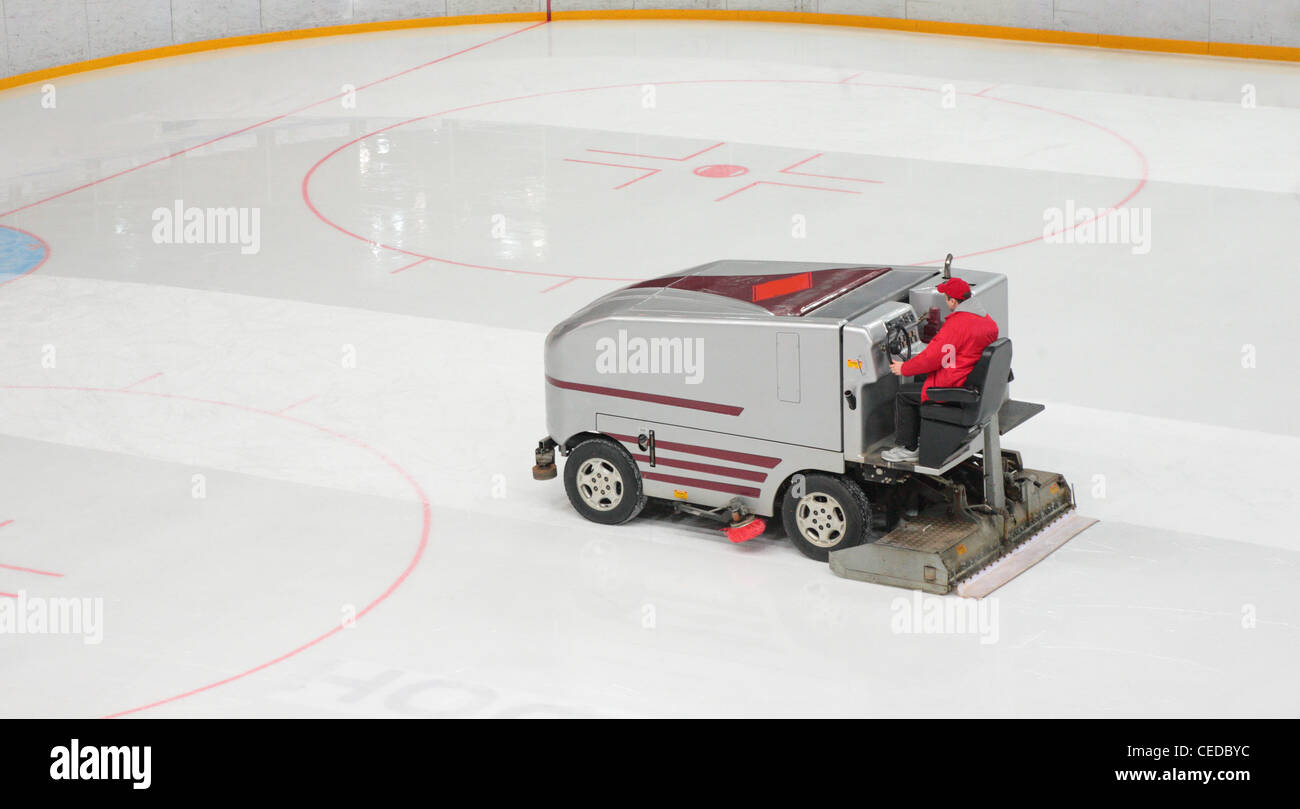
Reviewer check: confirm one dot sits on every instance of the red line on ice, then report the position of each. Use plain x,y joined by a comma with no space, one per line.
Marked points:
649,172
1144,169
661,157
139,381
31,570
421,496
296,404
557,286
790,170
409,266
787,185
306,180
270,120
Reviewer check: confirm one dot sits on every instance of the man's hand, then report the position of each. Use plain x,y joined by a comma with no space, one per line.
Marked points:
896,367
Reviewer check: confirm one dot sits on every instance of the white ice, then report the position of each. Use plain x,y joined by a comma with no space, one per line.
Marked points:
361,425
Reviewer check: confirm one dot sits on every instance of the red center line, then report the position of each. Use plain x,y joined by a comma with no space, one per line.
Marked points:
850,78
31,570
6,522
271,120
9,595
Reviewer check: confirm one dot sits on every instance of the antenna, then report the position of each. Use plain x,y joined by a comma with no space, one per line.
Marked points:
947,267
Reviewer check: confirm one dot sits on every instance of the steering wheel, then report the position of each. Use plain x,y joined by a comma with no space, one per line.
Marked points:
896,342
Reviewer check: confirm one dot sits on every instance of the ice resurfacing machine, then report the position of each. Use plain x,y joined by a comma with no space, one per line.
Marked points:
741,390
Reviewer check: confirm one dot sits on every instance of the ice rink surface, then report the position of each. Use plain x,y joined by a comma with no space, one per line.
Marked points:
295,466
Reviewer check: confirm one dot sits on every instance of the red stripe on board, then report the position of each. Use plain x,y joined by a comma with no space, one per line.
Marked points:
671,401
709,452
708,468
712,485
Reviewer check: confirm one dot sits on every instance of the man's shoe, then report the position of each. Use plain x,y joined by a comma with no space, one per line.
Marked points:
901,455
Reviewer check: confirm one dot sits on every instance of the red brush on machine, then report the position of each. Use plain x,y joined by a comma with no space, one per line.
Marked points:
745,531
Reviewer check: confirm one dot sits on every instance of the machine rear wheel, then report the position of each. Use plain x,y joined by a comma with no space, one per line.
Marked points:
826,513
603,483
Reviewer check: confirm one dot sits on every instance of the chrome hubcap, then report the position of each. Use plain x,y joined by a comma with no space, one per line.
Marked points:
821,519
600,485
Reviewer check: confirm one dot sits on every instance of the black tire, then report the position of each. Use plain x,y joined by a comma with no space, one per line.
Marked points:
837,514
603,463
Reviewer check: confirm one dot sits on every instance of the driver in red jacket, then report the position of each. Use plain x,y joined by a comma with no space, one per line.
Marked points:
946,362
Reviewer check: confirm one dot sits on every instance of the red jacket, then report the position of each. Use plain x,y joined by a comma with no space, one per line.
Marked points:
953,352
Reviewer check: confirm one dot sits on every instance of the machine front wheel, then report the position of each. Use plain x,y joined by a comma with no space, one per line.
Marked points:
824,513
603,483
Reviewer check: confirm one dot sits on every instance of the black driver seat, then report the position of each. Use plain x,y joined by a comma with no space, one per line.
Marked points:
954,416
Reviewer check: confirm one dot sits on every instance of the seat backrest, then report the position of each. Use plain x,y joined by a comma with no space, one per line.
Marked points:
989,377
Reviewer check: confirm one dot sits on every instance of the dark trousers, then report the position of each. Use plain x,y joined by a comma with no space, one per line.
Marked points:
907,414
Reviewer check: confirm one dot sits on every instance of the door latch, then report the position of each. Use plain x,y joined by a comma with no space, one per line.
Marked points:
646,441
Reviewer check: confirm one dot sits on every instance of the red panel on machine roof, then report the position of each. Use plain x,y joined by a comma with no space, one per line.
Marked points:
781,286
790,294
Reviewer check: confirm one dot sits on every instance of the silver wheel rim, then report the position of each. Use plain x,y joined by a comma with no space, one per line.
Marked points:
821,520
600,485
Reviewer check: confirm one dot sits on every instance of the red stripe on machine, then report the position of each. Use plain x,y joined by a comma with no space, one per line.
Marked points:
708,452
712,485
671,401
708,468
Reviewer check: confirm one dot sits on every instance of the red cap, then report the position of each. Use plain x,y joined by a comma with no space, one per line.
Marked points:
955,288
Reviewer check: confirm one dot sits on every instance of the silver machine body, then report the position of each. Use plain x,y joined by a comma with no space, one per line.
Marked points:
740,381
